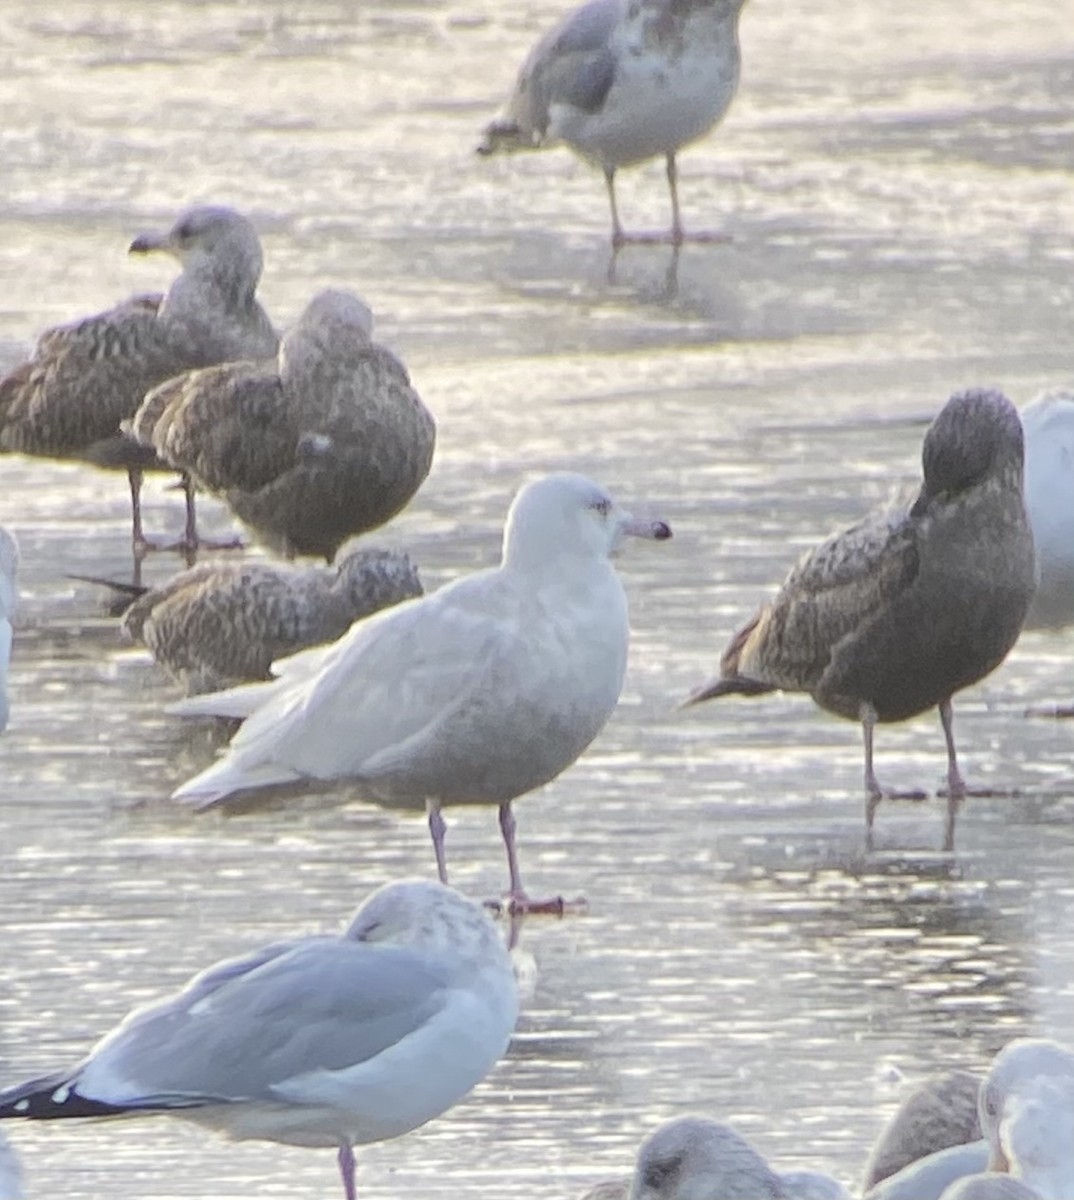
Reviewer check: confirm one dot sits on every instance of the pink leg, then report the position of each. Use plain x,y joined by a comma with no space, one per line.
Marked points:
437,828
346,1171
517,900
956,785
874,793
134,478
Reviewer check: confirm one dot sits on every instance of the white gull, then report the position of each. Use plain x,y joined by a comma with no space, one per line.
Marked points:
475,694
331,1041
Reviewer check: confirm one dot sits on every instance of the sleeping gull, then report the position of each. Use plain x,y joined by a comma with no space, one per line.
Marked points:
1026,1111
218,624
475,694
940,1112
623,81
329,441
320,1041
85,378
9,565
897,613
692,1158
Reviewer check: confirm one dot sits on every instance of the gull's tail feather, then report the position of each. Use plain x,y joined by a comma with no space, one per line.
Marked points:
238,702
505,136
226,777
50,1098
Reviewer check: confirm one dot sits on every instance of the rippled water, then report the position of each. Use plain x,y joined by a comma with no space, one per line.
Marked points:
898,191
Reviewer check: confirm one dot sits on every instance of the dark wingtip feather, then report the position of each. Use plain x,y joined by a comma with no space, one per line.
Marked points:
50,1099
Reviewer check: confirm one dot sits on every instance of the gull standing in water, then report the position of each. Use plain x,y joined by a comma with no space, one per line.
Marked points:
326,442
321,1041
84,379
475,694
897,613
623,81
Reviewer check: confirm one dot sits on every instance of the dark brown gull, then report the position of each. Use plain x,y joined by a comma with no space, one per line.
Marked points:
219,624
84,379
478,693
623,81
333,1041
326,442
897,613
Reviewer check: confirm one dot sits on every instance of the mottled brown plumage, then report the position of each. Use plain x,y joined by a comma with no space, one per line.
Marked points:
86,378
327,442
219,624
939,1112
897,613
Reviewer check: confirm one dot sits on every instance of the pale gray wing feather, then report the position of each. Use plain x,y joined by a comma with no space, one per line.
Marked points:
250,1025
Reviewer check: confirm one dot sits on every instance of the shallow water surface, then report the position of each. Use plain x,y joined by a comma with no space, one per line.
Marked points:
898,193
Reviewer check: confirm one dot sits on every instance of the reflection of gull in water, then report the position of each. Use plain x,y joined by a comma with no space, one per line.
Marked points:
1049,427
1049,431
939,1112
692,1158
9,564
85,378
475,694
329,441
321,1041
222,623
897,613
623,81
10,1172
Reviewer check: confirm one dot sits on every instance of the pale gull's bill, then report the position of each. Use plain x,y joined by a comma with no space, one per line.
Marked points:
896,614
321,1041
624,81
9,566
475,694
693,1158
326,441
86,378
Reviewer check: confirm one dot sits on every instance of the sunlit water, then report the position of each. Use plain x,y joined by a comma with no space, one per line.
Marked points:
898,191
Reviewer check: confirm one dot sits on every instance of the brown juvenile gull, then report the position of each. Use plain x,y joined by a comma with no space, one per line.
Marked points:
219,624
478,693
940,1112
84,379
328,441
623,81
693,1158
333,1041
897,613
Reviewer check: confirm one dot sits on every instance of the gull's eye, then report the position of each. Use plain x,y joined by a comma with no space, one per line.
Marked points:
604,507
657,1173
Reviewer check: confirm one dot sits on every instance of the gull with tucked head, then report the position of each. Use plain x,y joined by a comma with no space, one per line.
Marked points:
333,1041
